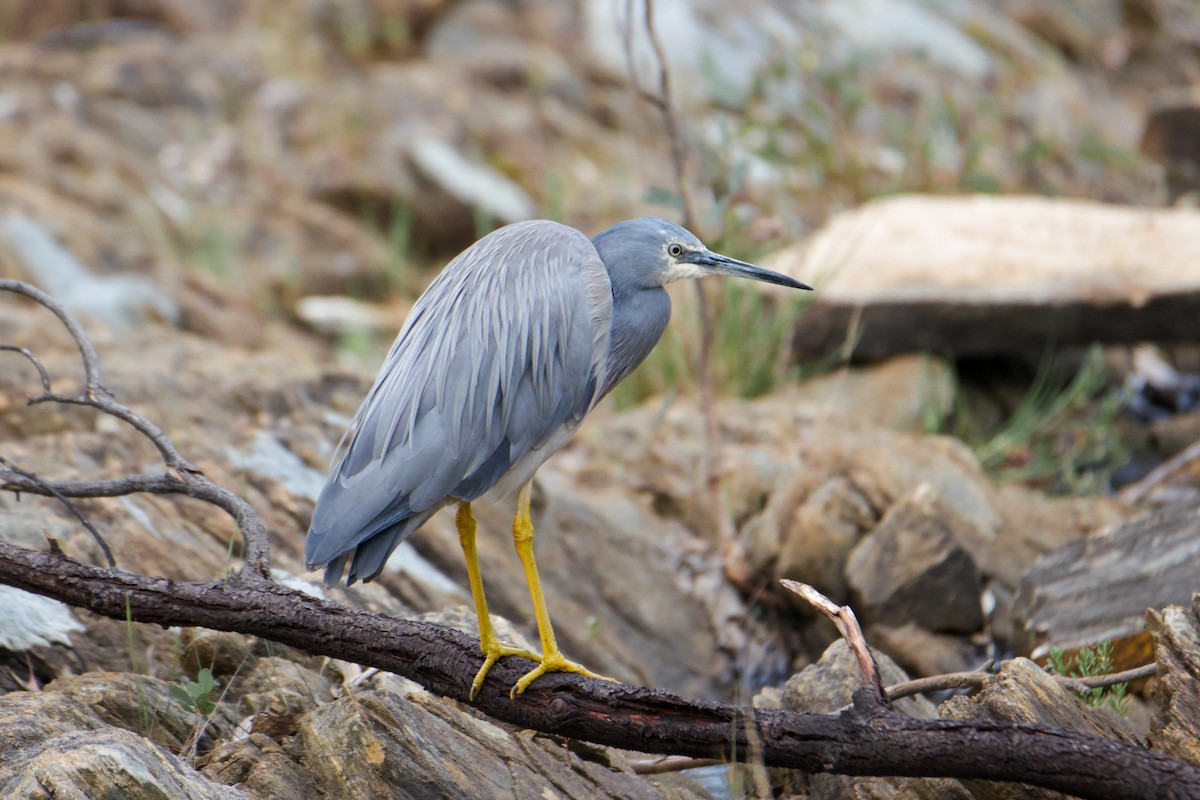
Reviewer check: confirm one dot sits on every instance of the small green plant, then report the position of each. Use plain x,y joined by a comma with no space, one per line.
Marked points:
1089,662
1062,435
197,694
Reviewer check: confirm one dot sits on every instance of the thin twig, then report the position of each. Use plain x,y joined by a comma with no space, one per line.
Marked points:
659,766
94,393
704,377
847,625
1101,681
975,679
670,121
939,683
181,477
91,363
48,489
33,359
1136,492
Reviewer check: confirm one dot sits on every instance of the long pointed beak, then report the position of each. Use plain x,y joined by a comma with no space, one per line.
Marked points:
718,264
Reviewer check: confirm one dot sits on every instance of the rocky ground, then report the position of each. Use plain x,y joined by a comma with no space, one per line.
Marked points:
241,199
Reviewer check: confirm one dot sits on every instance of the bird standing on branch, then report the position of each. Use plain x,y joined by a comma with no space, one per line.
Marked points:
496,366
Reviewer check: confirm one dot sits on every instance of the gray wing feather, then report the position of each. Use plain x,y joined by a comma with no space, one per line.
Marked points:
505,347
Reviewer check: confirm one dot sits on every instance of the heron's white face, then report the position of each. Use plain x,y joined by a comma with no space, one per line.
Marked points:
677,270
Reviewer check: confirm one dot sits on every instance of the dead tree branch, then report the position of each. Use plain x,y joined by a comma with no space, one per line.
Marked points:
181,476
630,717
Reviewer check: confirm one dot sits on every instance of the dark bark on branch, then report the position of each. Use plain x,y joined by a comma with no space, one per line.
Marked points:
856,742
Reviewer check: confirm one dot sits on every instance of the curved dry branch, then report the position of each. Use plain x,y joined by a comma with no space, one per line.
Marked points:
43,487
33,359
1111,679
948,681
91,363
181,477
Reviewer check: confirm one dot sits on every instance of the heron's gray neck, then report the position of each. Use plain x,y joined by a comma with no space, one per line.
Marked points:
639,319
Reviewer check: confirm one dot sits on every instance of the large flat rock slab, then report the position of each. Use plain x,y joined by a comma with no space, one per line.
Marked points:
987,275
1099,588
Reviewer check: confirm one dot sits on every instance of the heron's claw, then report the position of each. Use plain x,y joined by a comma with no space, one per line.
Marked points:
493,652
554,662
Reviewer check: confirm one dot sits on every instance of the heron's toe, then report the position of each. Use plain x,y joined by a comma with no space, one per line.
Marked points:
492,653
555,662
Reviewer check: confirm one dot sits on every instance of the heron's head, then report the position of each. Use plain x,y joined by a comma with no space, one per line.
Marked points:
648,253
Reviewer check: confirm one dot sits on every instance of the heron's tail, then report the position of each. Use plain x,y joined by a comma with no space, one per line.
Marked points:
365,555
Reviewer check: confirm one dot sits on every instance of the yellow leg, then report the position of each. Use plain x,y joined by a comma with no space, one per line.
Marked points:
492,649
552,659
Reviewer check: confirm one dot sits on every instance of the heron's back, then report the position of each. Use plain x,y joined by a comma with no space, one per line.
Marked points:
507,346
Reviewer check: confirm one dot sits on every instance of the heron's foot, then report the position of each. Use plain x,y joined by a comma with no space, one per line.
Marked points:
492,652
553,662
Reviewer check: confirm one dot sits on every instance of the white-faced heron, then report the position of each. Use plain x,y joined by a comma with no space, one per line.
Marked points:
496,366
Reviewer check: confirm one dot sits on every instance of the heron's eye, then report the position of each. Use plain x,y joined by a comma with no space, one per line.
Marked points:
675,250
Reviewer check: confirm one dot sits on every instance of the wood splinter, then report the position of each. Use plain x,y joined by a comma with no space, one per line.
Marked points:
847,625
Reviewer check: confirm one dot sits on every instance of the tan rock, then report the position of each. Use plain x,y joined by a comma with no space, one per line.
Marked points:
275,686
946,274
261,767
30,719
811,483
146,706
1175,433
82,737
1176,726
907,393
915,568
1170,137
1023,693
824,528
1099,588
407,743
109,763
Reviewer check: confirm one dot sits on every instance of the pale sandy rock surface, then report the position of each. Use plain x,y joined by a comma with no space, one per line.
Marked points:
1000,249
991,275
